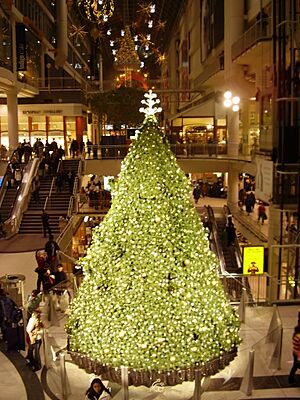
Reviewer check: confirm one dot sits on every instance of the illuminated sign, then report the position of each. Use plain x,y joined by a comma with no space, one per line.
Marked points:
253,260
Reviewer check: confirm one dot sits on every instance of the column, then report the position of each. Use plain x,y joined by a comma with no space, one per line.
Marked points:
62,33
29,128
47,127
233,133
65,135
79,128
12,119
233,187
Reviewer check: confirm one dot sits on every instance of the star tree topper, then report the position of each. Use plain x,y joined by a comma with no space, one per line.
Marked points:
151,102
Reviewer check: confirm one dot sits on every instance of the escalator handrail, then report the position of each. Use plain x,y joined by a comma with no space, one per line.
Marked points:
216,238
4,180
238,253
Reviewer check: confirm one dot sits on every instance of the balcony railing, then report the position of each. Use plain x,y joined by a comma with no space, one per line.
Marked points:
189,150
260,31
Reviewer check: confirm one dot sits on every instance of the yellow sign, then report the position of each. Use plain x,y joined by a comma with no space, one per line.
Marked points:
253,260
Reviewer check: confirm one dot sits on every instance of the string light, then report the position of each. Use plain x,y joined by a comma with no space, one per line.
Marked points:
151,298
97,11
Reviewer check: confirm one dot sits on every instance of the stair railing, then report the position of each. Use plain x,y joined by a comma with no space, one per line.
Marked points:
48,198
12,224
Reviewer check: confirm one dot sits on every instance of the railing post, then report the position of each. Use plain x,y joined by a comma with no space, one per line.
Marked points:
242,306
124,377
197,390
247,382
63,377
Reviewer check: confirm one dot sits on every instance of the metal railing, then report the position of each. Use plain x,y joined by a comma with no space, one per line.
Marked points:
260,31
12,224
188,150
48,198
215,236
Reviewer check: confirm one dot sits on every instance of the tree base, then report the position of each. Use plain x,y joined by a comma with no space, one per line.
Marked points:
148,378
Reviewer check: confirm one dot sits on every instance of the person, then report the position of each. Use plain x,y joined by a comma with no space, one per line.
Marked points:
9,312
262,216
40,256
296,353
89,145
35,332
196,193
48,281
52,249
210,144
33,302
74,148
96,389
46,225
60,275
230,232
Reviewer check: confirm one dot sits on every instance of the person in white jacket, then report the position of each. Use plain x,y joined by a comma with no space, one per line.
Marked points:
35,332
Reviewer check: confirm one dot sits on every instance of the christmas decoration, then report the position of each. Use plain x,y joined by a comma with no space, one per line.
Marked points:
78,32
126,57
97,10
151,299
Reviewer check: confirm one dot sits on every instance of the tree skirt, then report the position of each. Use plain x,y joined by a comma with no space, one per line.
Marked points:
147,378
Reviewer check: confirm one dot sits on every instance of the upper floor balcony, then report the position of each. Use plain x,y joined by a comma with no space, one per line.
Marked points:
253,42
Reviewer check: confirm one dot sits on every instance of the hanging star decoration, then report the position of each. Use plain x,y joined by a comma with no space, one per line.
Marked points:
160,26
144,40
161,58
144,10
78,32
151,103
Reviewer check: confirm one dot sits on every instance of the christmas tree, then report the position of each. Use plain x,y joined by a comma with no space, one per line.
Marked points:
151,299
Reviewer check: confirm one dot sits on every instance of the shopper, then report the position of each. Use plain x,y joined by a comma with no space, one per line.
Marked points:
35,331
196,193
296,354
60,275
33,302
262,216
230,232
46,224
52,250
96,389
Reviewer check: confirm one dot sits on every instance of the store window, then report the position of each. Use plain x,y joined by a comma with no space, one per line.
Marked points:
56,130
5,44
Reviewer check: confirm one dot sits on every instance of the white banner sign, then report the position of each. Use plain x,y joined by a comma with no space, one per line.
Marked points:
264,179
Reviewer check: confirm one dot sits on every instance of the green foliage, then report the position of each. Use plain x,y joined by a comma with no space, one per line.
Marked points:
120,105
151,298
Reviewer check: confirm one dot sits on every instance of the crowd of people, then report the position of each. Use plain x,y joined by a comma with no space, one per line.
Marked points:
94,195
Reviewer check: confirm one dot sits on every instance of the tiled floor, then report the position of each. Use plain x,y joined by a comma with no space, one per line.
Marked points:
18,382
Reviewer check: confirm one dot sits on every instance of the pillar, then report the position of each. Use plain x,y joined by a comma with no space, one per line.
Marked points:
65,135
12,119
233,187
29,128
79,128
47,127
233,134
62,33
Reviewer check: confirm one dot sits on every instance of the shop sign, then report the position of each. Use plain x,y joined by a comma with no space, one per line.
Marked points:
253,260
42,112
21,47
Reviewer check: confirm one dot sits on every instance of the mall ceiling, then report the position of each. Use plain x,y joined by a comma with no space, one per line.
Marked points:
156,18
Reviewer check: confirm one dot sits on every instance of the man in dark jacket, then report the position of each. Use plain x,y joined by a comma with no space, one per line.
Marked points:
52,249
46,225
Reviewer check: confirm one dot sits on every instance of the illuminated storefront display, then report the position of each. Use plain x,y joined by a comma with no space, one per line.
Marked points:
62,122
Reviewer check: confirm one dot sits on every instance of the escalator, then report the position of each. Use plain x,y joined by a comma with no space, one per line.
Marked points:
229,253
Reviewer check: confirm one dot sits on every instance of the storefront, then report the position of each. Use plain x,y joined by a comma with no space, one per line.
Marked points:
62,122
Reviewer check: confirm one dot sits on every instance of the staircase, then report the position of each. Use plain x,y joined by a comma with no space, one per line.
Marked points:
58,203
31,221
8,202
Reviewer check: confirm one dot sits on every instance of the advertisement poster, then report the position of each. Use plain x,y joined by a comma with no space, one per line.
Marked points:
21,47
253,260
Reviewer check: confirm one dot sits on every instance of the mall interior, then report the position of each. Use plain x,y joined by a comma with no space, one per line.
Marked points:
227,74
